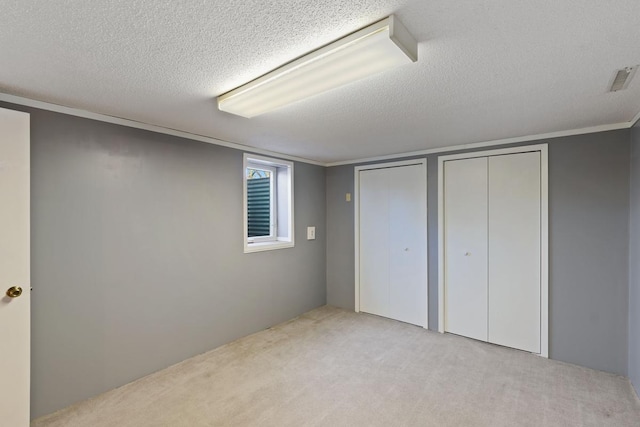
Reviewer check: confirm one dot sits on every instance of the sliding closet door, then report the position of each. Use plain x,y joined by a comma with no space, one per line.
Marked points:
514,251
374,242
465,244
408,244
393,242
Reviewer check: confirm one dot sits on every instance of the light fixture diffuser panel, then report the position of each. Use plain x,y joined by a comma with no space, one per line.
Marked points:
378,47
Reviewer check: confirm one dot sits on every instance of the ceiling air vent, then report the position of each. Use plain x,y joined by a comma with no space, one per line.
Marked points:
622,78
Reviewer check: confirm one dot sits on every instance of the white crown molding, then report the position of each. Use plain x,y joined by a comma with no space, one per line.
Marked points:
27,102
515,140
635,120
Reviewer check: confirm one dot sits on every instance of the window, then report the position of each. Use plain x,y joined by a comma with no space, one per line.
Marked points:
261,196
268,203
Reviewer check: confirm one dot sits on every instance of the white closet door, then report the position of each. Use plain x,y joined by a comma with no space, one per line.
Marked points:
408,244
514,251
465,241
374,242
393,243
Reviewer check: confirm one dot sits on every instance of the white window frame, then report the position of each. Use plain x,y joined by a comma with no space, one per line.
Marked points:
281,237
273,192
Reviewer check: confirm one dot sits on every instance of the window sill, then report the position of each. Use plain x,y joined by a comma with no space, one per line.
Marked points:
267,246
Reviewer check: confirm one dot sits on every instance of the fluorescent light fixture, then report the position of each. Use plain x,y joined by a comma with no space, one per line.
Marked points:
373,49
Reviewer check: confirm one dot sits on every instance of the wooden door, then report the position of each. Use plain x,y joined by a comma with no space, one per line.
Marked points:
14,268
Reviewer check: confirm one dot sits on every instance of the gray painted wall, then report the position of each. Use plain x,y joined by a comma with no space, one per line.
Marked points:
588,227
137,256
589,241
340,229
634,262
137,259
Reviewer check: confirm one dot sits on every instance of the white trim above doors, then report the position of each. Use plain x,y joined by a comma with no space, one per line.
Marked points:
357,169
544,243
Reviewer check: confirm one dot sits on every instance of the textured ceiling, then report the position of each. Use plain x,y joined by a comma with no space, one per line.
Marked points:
487,69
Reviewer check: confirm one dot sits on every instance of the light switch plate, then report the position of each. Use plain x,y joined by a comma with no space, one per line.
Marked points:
311,233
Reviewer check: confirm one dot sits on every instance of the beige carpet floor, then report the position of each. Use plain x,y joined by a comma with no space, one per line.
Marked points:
331,367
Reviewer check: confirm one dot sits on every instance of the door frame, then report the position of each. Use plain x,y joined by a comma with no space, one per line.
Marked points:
356,220
544,231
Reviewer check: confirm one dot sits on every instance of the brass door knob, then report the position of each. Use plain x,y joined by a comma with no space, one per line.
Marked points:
14,292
